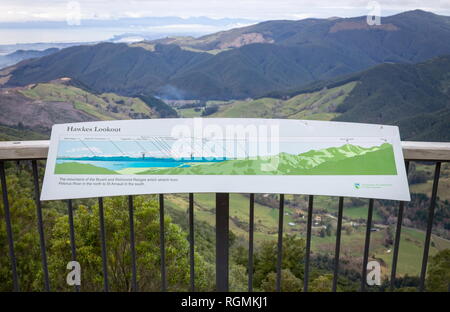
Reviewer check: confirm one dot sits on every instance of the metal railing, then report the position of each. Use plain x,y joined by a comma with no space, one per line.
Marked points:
37,150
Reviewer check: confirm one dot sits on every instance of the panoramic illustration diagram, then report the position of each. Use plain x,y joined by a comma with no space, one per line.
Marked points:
158,155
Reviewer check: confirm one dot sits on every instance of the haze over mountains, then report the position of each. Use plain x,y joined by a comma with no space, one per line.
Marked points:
121,28
357,72
20,55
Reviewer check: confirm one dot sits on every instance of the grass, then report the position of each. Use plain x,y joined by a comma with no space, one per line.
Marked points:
266,218
13,134
330,204
241,109
319,105
321,116
426,187
411,251
189,112
107,106
89,109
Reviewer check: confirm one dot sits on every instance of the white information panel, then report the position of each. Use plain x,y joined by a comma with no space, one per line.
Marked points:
236,155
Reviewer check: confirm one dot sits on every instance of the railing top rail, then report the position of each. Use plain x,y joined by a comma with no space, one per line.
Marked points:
413,150
431,151
15,150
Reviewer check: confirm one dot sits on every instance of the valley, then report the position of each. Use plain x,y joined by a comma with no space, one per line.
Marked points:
324,226
414,97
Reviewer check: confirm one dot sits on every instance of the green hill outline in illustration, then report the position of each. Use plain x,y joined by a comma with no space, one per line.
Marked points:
348,159
77,168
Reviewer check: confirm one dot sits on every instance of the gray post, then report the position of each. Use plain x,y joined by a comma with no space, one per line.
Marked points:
222,231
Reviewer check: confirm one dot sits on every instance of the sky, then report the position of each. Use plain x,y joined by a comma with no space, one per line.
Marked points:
34,10
76,17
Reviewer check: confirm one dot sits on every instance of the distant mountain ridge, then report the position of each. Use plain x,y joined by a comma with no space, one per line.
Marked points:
314,30
20,55
315,158
244,62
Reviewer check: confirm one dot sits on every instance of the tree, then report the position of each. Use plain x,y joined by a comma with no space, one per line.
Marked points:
293,255
404,283
240,255
25,235
146,219
438,278
289,282
389,238
322,283
87,236
238,278
209,110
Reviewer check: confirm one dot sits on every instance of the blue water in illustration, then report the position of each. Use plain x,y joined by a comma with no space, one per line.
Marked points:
118,163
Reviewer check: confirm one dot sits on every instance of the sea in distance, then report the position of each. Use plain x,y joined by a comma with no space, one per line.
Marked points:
119,163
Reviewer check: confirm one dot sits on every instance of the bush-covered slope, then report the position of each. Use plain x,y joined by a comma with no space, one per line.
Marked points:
37,107
415,97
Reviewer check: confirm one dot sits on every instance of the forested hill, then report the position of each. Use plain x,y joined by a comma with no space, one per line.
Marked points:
414,96
244,62
29,112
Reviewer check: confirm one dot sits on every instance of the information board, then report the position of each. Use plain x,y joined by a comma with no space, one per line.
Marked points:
230,155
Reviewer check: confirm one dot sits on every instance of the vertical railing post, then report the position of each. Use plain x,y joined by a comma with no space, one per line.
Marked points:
162,243
134,286
308,243
40,224
222,237
426,249
250,242
191,242
73,246
338,244
280,243
9,232
367,246
398,233
101,217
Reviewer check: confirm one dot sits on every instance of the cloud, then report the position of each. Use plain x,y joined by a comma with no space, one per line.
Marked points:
26,10
99,20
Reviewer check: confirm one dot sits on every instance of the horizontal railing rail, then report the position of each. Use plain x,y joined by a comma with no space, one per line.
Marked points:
412,150
433,152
